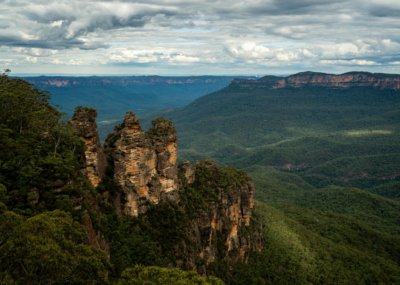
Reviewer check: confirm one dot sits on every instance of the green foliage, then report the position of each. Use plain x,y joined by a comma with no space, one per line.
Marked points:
388,190
48,248
277,188
86,109
157,275
312,247
346,231
130,245
380,213
3,194
38,149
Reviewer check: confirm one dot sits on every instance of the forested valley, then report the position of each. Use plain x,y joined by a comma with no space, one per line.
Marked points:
324,162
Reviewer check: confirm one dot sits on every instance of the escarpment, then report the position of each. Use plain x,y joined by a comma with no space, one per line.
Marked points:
346,80
201,215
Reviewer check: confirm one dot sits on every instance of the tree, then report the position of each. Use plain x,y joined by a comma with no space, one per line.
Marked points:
140,275
48,249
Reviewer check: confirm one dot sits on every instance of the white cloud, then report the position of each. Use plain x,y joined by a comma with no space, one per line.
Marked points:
231,35
184,59
349,62
31,59
71,62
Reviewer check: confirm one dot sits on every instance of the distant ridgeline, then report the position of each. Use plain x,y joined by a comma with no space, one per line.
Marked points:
113,95
304,79
72,211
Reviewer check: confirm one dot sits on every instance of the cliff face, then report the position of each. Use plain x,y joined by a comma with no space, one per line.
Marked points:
85,126
228,217
216,203
347,80
144,163
84,123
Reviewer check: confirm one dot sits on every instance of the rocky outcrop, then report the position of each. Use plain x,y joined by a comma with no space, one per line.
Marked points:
214,205
228,217
85,125
188,170
144,162
347,80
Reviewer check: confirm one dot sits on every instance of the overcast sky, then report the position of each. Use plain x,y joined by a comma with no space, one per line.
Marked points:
199,37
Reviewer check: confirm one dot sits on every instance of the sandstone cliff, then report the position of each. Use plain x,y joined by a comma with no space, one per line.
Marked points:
84,123
202,214
144,163
227,218
347,80
85,126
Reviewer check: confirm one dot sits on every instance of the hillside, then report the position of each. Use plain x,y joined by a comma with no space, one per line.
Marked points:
277,188
346,134
313,247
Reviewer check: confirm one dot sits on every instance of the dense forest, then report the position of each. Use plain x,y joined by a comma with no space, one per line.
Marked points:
316,228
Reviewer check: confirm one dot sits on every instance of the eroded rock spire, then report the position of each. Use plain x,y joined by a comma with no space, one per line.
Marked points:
85,125
144,162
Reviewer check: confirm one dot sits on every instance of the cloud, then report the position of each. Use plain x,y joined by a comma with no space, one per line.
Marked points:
349,62
231,35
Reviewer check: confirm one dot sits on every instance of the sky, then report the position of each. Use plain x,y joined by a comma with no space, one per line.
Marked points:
187,37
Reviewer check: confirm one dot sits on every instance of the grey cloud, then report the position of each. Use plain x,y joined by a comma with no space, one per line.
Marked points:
384,11
233,31
63,26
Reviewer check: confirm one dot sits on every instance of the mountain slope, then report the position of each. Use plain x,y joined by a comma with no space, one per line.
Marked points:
307,126
313,247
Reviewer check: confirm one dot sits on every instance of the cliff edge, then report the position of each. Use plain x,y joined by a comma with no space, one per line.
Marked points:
346,80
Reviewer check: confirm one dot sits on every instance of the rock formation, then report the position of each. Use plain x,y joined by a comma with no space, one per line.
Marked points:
346,80
228,217
217,203
84,123
144,162
189,171
85,126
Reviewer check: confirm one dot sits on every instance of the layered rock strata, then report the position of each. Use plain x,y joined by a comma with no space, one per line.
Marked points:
144,162
347,80
85,125
227,218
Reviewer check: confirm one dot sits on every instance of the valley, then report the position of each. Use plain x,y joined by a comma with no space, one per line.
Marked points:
303,184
